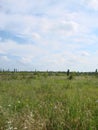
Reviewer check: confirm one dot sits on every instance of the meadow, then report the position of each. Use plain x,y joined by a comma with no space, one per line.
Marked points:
48,101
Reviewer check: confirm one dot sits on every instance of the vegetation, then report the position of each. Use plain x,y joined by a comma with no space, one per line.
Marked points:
48,101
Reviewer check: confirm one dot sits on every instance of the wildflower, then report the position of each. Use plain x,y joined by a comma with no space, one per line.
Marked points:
10,128
18,101
31,114
9,105
97,101
0,107
9,122
25,127
55,107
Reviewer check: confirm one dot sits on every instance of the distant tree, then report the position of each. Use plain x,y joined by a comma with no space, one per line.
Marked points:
14,69
68,71
96,71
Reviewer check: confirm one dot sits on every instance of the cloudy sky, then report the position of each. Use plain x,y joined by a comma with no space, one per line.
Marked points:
49,35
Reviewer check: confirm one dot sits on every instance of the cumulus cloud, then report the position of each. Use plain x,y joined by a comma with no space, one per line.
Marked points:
93,4
26,60
4,58
11,6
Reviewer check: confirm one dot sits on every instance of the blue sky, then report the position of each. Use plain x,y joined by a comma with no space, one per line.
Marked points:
49,35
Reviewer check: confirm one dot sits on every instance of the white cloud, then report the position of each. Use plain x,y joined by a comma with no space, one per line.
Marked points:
22,6
43,58
4,58
26,60
68,27
16,49
36,35
93,4
84,53
27,23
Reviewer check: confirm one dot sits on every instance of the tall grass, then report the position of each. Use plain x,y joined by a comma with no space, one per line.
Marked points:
40,102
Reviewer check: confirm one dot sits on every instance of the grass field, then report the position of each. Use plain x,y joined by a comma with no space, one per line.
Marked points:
30,101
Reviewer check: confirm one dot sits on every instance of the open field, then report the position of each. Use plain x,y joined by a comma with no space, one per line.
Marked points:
34,101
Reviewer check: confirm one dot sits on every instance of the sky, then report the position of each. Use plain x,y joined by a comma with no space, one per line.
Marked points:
53,35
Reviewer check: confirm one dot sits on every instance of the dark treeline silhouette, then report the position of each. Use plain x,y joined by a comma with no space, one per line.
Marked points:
50,73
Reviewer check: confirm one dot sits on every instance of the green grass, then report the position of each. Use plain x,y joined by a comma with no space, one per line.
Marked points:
42,102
